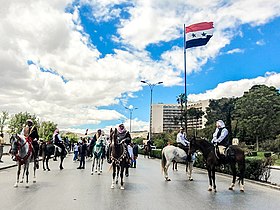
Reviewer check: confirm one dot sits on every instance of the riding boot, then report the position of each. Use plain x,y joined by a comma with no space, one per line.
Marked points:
126,171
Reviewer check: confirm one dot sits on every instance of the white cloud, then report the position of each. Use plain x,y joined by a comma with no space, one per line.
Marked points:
237,88
236,50
260,42
42,32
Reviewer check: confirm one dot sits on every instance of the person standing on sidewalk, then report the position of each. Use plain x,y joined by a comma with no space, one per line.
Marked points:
1,146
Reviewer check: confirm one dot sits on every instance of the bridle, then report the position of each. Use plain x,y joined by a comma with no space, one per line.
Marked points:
19,146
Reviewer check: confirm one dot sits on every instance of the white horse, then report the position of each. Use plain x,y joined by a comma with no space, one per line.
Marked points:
23,152
98,155
171,153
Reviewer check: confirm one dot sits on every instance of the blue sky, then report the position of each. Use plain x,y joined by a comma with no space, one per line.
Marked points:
80,63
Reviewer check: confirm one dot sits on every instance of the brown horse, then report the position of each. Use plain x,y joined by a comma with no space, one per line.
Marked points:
234,155
118,156
147,150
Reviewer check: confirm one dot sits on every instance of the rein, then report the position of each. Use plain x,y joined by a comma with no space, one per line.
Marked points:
117,161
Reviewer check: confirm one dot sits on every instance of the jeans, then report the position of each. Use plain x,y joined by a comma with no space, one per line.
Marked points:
75,155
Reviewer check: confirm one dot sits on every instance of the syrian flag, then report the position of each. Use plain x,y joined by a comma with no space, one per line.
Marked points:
198,34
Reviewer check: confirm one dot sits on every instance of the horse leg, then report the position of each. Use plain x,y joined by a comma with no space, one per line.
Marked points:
34,172
26,168
233,170
166,171
61,161
241,167
98,161
190,164
214,181
101,165
114,175
44,160
22,178
122,168
18,173
96,164
210,179
118,173
47,162
92,166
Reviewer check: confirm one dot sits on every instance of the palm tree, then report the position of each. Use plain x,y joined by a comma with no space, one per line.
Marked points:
181,99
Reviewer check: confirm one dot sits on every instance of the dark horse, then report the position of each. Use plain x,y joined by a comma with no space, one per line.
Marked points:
147,150
49,149
118,156
234,155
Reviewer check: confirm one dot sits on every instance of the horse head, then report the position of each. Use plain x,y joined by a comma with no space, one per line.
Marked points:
15,141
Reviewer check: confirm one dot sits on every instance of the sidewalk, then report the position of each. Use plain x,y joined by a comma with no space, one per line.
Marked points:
7,162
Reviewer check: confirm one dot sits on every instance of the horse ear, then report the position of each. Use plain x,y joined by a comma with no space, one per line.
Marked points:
116,130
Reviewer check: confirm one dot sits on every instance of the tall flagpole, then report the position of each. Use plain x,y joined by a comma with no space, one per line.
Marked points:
185,68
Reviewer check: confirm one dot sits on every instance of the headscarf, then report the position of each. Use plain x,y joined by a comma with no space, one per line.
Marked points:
221,123
121,130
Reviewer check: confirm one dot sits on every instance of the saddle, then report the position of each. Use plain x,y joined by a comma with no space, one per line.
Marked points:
223,152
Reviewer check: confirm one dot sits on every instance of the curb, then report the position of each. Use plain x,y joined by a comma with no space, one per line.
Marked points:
276,187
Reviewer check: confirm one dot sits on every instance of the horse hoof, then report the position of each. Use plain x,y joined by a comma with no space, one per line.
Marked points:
21,181
95,171
167,179
116,182
27,186
215,190
191,179
99,173
122,187
49,169
241,190
230,188
34,181
112,186
209,189
16,185
91,173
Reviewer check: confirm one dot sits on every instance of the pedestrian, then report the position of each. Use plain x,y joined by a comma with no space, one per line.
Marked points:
220,137
76,152
31,134
135,155
1,146
83,154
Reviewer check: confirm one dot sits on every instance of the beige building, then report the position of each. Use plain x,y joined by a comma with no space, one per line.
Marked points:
163,115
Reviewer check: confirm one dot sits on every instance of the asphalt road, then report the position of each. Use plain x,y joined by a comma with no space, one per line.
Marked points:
145,188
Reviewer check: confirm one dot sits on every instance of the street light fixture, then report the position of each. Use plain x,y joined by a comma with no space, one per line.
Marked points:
130,108
151,85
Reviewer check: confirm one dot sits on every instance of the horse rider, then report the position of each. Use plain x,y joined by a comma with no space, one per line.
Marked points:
58,141
123,136
220,137
31,134
182,141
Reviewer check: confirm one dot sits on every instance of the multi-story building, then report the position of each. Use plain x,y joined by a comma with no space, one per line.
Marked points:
165,116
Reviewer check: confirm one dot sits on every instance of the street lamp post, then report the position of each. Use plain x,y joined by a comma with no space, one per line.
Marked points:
130,108
151,85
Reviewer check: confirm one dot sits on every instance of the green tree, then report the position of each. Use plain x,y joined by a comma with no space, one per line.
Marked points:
71,136
181,100
46,130
195,114
17,122
3,119
258,113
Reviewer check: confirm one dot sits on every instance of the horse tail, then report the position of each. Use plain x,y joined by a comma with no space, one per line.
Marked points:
163,160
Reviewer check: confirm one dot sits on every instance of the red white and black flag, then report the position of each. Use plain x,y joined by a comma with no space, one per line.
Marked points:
198,34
